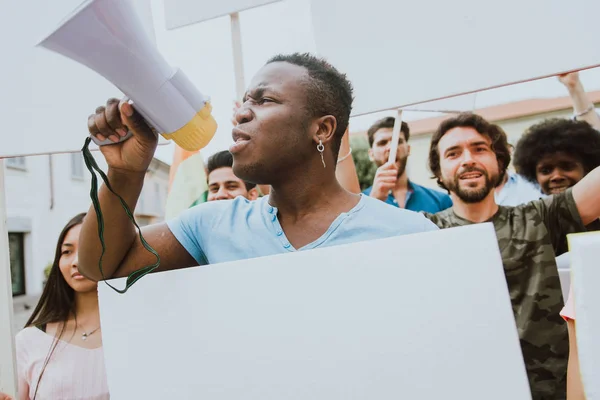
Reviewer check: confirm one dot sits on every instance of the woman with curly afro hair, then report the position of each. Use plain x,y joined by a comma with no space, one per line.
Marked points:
557,153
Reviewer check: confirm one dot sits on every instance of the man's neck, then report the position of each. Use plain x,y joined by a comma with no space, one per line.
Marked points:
310,191
475,212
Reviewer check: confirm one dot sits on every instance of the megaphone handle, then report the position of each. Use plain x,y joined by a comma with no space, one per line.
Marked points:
108,141
121,139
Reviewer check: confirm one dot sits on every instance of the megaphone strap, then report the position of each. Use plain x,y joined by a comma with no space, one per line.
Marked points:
91,165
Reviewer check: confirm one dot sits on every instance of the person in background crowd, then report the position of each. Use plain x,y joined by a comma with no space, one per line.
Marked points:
222,182
59,353
558,153
391,183
469,156
516,189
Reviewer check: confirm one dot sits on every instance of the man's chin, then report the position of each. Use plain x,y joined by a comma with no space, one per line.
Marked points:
557,190
473,194
249,172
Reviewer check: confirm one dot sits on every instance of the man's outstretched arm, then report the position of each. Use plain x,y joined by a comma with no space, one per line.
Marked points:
127,164
586,194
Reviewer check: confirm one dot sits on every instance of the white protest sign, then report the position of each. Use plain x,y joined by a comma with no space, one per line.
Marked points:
398,53
585,253
383,319
179,13
48,97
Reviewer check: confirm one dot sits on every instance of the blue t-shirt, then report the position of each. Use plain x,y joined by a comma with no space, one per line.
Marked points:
419,198
231,230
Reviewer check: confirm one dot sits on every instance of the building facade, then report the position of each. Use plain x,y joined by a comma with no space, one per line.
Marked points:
43,193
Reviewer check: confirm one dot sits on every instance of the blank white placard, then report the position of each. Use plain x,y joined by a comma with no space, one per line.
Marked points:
585,253
403,52
47,98
179,13
385,319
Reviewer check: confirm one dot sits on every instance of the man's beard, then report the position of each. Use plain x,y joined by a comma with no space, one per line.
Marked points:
471,195
401,163
402,166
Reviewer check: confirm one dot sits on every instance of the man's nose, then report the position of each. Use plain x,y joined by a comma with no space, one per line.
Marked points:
223,194
556,175
467,158
243,114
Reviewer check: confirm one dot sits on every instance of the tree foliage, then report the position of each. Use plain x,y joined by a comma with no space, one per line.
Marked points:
365,169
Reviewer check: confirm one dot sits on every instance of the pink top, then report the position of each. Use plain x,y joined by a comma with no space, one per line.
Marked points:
73,373
568,312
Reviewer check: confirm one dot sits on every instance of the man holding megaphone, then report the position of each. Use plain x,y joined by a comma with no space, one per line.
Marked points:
287,135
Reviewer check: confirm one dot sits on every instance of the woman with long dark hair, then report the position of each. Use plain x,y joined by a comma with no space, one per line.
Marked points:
59,353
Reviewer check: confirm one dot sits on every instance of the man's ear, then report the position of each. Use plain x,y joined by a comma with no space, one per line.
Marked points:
253,194
408,147
371,158
325,129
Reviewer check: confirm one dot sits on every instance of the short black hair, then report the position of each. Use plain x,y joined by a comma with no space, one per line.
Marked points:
575,138
387,122
496,134
223,159
329,91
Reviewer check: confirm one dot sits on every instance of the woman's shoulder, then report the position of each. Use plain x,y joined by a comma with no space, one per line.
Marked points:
28,334
28,342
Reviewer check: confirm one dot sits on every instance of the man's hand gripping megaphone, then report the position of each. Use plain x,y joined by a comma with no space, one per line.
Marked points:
126,140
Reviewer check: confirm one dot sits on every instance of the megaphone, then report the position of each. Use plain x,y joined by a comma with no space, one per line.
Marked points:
108,37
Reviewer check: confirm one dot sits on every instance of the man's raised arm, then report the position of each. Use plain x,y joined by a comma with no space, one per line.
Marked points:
582,105
127,164
586,194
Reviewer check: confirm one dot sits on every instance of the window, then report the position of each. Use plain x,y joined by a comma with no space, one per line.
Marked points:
77,166
17,263
16,163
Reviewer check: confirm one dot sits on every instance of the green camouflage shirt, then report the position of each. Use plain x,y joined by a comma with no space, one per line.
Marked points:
528,236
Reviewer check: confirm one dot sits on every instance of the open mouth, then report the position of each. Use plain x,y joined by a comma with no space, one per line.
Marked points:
471,175
240,140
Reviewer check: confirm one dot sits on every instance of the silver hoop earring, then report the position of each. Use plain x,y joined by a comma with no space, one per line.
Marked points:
320,149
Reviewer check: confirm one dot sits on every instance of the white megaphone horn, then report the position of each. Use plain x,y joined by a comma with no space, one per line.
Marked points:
108,37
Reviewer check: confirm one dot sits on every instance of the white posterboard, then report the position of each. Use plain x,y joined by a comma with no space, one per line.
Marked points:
384,319
47,97
403,52
179,13
585,253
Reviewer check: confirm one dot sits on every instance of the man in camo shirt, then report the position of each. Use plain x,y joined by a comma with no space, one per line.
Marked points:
469,157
